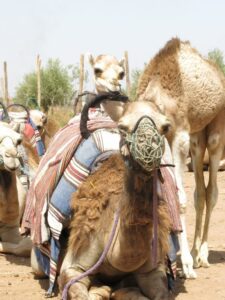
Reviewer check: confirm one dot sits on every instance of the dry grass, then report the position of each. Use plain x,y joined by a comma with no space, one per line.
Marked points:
61,115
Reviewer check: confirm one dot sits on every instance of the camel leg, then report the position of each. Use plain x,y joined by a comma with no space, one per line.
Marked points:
21,197
73,266
215,148
180,150
12,242
198,147
153,284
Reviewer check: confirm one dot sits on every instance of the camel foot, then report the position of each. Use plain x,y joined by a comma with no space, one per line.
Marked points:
100,293
187,267
128,294
200,256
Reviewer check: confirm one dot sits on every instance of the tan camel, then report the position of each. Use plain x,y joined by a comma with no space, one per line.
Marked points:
94,208
12,194
190,91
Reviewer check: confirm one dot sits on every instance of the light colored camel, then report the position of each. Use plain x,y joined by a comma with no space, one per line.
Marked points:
190,91
12,194
131,251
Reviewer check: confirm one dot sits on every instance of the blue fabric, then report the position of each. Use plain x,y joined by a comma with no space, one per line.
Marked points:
39,144
85,155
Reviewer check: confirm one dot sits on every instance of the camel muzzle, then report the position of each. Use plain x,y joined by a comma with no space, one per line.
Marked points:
144,145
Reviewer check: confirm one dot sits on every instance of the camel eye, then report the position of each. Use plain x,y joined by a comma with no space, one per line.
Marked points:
98,71
121,75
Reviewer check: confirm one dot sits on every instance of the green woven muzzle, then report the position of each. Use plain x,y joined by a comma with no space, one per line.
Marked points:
145,144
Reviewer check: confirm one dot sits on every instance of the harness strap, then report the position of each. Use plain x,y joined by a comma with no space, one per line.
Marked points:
155,220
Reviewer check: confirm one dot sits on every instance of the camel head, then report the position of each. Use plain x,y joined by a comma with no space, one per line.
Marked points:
133,119
108,72
39,118
9,140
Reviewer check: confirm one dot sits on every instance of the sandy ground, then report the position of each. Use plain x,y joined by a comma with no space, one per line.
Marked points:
17,281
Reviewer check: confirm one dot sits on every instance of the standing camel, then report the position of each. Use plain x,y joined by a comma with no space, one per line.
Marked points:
190,91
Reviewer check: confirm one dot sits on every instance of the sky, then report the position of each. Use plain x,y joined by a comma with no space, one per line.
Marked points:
64,29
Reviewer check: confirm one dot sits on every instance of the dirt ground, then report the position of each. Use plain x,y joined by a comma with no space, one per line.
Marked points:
17,281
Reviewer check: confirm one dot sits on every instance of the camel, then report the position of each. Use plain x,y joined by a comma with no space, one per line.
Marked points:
115,109
12,194
130,190
12,207
190,91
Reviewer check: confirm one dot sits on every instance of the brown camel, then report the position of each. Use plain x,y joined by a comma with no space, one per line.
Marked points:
190,91
94,206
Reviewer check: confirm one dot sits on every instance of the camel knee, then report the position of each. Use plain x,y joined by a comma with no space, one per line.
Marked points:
213,142
183,207
182,143
79,290
10,234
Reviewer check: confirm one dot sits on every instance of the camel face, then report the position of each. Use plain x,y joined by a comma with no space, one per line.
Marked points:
39,118
135,110
108,72
9,139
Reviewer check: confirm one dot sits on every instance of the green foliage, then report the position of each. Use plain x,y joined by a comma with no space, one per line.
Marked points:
57,85
135,75
217,57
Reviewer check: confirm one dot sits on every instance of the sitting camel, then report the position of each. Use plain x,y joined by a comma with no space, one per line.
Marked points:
72,169
190,91
12,194
131,190
15,180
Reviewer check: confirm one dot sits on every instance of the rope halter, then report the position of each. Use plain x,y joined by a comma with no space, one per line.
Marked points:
145,144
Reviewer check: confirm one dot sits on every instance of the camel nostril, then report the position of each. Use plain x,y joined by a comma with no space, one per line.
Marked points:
19,141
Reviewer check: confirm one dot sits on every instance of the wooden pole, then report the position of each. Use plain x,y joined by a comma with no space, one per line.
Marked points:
127,72
81,80
81,84
38,65
2,88
6,94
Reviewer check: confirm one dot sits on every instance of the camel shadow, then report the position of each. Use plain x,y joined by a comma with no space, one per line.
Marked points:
216,257
16,260
25,261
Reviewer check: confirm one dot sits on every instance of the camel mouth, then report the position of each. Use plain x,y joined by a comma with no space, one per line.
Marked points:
10,169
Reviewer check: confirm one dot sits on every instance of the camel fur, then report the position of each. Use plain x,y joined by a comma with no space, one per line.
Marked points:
190,91
94,208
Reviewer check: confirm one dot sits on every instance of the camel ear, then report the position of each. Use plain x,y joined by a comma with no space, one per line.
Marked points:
91,59
122,62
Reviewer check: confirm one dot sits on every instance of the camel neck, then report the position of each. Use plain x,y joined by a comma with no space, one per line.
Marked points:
137,205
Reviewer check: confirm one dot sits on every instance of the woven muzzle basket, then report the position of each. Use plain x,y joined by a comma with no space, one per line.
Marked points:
145,144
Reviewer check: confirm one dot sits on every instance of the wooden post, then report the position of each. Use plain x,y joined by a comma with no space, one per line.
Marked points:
127,72
78,107
6,94
38,65
2,88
